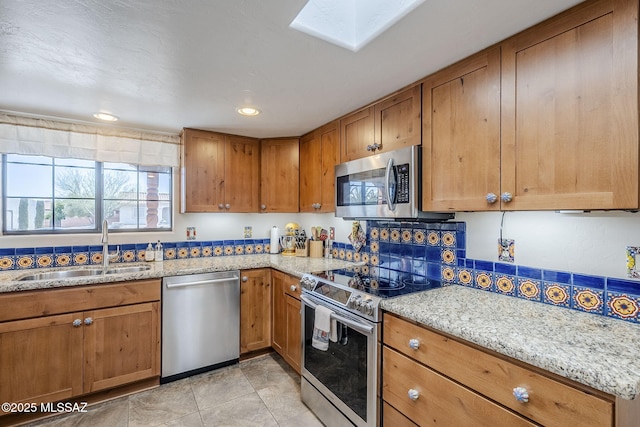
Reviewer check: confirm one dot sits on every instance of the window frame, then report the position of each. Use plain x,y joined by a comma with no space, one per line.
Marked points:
99,202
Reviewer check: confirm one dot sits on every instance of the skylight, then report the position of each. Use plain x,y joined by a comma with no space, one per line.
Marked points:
351,24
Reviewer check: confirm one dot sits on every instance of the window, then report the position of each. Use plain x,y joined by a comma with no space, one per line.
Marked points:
45,195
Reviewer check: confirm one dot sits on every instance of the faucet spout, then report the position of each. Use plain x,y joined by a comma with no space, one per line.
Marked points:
105,245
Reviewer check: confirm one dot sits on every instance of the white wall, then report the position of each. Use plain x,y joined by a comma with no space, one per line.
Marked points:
591,243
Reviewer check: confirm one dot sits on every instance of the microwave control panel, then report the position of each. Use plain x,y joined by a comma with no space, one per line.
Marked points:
403,190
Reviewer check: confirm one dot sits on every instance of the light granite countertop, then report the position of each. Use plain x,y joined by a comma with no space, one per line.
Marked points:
597,351
296,266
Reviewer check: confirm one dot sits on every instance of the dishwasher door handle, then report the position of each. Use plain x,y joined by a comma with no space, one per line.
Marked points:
202,282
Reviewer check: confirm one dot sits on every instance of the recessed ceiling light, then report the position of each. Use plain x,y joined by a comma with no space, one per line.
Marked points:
248,111
105,116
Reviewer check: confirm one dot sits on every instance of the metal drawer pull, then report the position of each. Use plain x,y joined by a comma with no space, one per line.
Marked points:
413,394
414,344
77,322
202,282
88,321
521,394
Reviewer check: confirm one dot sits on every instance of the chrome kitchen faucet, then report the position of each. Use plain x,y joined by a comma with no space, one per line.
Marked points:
105,246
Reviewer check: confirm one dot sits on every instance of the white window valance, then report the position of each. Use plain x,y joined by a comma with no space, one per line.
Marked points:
44,137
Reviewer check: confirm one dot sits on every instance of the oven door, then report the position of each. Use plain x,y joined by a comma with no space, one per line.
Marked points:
346,374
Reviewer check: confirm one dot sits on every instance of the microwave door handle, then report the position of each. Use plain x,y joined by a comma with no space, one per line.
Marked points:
391,202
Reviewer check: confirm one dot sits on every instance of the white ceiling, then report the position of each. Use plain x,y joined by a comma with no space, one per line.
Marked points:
166,64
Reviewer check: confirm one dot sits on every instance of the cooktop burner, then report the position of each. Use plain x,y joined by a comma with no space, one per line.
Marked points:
382,287
360,293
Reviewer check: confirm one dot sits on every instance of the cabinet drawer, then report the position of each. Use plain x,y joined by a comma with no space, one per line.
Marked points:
440,401
550,402
24,305
391,417
292,287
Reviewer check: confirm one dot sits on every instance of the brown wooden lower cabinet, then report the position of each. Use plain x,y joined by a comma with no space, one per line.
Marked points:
255,310
287,338
455,383
68,353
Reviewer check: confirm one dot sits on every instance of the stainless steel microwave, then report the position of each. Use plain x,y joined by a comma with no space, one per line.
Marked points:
383,186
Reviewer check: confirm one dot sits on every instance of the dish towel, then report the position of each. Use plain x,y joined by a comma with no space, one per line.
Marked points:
323,328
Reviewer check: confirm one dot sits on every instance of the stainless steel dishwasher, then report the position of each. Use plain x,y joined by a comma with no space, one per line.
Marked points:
200,323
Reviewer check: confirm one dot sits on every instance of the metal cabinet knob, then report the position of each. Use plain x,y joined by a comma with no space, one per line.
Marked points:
414,344
506,197
491,198
77,323
293,288
88,321
370,148
245,278
227,206
220,206
413,394
263,207
521,394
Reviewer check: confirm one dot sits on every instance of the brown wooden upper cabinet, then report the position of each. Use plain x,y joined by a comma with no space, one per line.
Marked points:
220,173
558,131
570,110
461,135
389,124
280,175
319,153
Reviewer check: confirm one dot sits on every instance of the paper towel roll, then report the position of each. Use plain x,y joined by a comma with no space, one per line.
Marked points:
274,244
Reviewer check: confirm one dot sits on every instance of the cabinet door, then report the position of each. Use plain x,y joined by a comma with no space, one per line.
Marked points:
397,120
330,141
461,135
570,110
121,345
242,174
279,319
356,134
255,310
319,153
280,175
202,175
41,359
310,172
294,334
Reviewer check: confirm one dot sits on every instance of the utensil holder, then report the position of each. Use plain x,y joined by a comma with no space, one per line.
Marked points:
316,250
303,251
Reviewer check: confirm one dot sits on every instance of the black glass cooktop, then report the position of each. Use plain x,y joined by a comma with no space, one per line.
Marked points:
383,287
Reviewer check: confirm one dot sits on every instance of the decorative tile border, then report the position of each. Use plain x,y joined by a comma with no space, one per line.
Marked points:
63,256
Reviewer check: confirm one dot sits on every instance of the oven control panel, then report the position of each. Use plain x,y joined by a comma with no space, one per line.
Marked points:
354,300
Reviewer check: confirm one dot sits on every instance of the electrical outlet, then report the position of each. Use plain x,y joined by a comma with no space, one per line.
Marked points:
633,256
506,250
248,232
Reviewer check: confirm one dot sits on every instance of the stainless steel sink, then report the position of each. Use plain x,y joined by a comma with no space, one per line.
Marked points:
63,274
69,274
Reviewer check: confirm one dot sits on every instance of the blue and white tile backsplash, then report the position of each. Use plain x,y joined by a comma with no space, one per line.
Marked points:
394,251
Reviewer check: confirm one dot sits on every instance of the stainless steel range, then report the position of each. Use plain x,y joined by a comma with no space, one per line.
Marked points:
340,384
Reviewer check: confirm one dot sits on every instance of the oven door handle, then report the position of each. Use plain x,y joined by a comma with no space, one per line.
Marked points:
363,329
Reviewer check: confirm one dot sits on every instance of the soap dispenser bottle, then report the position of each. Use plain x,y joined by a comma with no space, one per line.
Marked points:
149,253
158,254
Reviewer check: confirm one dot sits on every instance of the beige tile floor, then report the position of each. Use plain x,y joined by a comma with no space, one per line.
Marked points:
263,391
